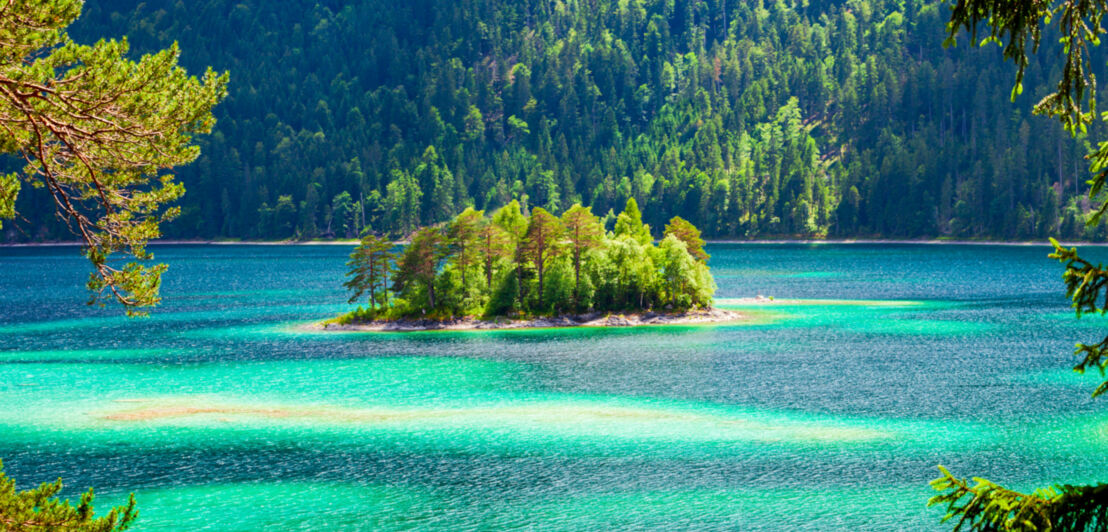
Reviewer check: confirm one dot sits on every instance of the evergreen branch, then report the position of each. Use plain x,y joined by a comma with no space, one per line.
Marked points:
986,506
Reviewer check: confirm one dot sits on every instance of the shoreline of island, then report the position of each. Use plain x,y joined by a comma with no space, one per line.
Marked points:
845,241
595,319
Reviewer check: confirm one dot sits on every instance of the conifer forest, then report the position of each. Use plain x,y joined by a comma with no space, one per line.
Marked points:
761,119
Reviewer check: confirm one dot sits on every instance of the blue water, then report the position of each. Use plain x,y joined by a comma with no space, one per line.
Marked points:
826,409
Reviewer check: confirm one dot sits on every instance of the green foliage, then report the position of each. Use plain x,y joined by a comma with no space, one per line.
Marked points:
817,118
541,244
40,509
370,265
510,218
985,505
504,300
690,235
96,131
584,233
533,265
418,268
1087,287
360,315
629,223
343,221
464,237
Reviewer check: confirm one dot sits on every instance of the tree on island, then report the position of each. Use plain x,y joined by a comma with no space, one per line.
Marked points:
464,238
510,218
583,234
494,247
370,265
97,131
629,223
981,504
541,243
690,235
534,265
419,266
40,509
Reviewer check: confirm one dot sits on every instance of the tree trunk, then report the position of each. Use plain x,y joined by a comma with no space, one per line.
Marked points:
488,274
465,262
577,277
431,292
519,283
373,273
540,265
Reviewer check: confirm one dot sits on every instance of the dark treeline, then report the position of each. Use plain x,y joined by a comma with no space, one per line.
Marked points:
748,118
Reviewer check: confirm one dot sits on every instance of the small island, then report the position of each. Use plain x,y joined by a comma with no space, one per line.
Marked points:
511,270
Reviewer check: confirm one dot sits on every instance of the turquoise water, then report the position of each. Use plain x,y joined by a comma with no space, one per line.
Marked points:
826,409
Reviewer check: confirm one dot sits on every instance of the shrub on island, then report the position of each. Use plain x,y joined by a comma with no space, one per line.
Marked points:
516,266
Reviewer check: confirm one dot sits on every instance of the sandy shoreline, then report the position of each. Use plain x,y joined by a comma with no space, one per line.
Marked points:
715,315
850,241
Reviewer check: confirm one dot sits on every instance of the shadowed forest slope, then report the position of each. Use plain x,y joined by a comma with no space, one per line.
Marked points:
749,119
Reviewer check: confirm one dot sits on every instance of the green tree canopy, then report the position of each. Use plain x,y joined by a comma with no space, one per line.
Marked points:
41,509
690,235
464,236
583,233
419,264
629,223
533,265
825,117
542,243
1019,27
370,266
98,131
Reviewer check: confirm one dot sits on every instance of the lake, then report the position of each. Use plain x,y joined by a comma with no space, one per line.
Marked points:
827,409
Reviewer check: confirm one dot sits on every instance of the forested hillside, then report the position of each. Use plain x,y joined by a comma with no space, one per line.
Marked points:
748,118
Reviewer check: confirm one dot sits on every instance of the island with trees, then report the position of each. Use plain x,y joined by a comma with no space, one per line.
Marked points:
512,270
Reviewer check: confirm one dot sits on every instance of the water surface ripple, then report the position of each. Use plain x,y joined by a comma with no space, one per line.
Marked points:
825,410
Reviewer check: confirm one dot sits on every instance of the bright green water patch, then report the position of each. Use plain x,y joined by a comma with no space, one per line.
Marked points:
312,329
910,318
814,413
1087,321
444,403
785,302
916,326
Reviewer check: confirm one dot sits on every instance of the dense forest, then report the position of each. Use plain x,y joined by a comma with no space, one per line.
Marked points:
508,264
748,118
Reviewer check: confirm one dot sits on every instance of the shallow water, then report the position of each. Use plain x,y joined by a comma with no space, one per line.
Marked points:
826,409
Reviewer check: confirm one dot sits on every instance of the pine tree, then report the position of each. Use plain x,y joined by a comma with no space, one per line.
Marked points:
583,233
370,266
419,264
463,235
690,235
983,505
494,245
541,244
629,223
41,509
97,131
